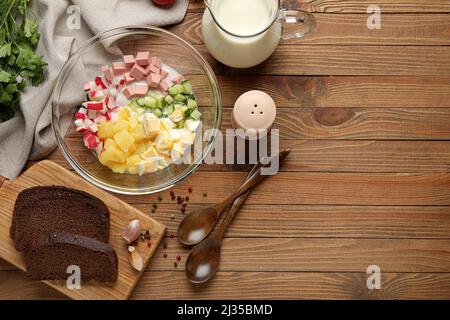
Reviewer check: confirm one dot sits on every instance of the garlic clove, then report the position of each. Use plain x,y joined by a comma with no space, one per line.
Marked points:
132,231
131,248
136,260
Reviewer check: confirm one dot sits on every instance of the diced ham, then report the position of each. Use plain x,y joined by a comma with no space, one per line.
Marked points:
153,80
119,68
128,92
140,90
164,85
94,105
143,58
154,68
129,61
128,79
107,73
163,74
156,62
148,70
137,72
177,79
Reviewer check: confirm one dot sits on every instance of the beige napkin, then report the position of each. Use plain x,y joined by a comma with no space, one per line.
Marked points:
29,135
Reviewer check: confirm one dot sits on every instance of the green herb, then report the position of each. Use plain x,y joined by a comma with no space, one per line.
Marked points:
19,63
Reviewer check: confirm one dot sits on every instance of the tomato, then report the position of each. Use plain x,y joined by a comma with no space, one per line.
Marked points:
164,3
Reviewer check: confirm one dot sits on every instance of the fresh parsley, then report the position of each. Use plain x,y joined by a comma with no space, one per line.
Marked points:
20,65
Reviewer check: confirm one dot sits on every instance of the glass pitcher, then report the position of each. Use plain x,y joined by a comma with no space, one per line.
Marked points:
244,33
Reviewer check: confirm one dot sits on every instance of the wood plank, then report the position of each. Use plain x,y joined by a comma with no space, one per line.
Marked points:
359,6
335,92
294,285
320,188
258,285
351,29
349,60
323,60
339,156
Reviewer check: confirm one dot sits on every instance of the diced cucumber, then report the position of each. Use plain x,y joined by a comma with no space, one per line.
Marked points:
186,111
173,91
189,96
160,102
196,114
133,104
150,102
179,97
187,87
176,89
191,104
168,110
180,124
141,102
157,112
169,99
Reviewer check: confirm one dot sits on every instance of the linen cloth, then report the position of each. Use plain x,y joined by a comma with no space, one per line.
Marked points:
29,134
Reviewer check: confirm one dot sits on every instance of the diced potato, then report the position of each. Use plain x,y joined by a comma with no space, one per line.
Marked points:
124,113
111,155
110,143
133,160
133,122
124,139
120,125
138,133
105,130
149,153
118,167
141,148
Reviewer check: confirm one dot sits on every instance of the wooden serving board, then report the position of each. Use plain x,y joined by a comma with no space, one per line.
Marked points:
47,173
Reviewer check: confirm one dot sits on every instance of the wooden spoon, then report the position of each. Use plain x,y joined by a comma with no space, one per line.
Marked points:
203,260
198,224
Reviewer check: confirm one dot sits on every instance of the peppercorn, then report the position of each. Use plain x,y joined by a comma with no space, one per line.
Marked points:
155,205
160,198
165,255
175,264
179,199
205,194
183,209
178,258
172,195
187,198
149,243
172,216
164,245
190,190
148,236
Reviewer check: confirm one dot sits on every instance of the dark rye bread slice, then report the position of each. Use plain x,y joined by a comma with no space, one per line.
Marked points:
42,210
53,253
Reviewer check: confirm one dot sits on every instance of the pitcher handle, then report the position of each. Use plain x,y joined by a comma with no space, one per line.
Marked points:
296,23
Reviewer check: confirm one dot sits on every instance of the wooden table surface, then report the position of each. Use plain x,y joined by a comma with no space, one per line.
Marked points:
367,116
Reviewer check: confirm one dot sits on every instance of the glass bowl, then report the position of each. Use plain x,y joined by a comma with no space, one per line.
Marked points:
86,63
